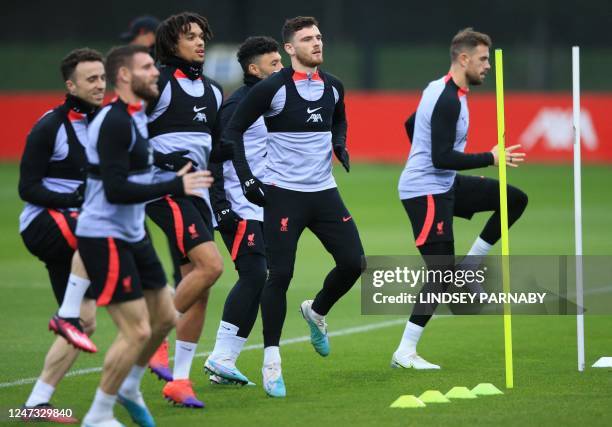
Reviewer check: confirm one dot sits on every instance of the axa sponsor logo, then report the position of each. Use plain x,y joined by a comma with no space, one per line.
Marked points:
200,116
314,117
554,127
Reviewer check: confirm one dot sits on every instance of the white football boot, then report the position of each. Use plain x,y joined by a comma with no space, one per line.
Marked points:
411,361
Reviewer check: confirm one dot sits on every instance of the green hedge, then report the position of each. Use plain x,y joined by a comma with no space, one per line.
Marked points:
395,67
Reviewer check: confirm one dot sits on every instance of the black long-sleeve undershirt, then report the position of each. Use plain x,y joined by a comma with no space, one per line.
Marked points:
443,132
409,126
339,123
217,192
114,142
38,151
250,108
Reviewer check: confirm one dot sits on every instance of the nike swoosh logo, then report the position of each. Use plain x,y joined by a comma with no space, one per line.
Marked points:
309,111
186,349
346,218
197,110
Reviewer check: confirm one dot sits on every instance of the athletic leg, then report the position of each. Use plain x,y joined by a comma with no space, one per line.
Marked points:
131,319
431,217
336,229
479,194
187,223
206,268
285,217
66,321
245,244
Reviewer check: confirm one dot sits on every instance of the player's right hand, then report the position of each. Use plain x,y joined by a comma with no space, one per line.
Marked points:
512,159
194,181
252,188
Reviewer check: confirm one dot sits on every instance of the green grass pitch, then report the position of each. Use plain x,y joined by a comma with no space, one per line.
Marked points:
355,384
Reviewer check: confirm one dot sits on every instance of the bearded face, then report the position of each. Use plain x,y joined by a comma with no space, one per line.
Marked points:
478,65
307,46
144,77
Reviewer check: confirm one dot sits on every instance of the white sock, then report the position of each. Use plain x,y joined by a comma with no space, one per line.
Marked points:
183,357
480,248
410,339
236,346
228,344
101,408
71,306
41,393
131,384
272,355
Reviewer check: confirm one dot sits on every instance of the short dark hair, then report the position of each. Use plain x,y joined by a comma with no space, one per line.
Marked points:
467,39
293,25
253,47
169,31
121,56
74,58
139,25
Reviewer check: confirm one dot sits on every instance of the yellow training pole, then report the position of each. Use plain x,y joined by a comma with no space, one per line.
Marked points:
503,203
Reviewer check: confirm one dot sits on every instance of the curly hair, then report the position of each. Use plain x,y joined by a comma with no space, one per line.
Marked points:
169,31
254,47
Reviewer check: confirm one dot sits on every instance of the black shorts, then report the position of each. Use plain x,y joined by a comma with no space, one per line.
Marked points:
431,216
186,221
50,237
119,271
247,238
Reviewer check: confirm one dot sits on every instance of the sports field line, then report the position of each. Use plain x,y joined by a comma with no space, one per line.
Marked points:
288,341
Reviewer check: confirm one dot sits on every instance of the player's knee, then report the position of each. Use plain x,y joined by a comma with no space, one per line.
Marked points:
140,333
258,277
518,200
216,267
280,277
255,275
209,269
352,265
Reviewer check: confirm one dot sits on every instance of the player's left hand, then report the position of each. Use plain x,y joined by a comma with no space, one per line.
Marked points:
343,156
513,158
253,191
194,181
173,161
79,195
227,219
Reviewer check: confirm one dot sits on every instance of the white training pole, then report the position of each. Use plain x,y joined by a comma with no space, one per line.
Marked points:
578,204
